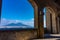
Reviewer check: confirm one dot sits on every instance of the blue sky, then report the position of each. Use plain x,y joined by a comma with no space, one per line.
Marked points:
14,11
17,9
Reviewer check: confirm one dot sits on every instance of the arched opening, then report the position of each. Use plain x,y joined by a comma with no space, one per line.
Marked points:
44,10
44,18
17,14
50,19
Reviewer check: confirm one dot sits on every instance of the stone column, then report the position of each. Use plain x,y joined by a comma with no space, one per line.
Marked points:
58,24
38,17
54,25
40,23
51,21
48,22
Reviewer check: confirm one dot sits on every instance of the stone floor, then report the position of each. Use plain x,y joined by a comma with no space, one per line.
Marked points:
50,37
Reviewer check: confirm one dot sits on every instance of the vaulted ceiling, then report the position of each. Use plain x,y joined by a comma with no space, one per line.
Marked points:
57,2
44,1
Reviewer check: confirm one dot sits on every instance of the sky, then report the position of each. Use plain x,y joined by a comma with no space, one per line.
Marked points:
14,11
17,9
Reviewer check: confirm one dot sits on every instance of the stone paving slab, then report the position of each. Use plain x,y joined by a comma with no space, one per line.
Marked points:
50,37
47,39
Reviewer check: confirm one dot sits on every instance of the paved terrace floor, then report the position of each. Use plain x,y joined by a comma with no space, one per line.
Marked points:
50,37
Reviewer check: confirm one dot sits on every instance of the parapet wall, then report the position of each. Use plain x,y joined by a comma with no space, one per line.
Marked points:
18,35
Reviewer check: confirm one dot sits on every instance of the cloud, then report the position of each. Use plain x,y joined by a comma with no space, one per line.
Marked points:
29,22
32,19
44,21
4,21
26,22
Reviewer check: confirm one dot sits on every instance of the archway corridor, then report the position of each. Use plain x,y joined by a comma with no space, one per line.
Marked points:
52,25
46,23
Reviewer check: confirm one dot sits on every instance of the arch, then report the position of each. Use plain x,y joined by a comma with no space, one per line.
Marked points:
50,9
51,19
38,18
34,5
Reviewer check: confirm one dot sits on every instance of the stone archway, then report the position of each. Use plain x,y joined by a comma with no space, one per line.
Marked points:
52,10
34,5
38,18
51,20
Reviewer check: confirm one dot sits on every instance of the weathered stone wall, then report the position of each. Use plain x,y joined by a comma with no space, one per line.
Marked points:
18,35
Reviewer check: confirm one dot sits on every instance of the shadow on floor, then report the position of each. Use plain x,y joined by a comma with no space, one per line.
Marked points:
50,36
58,39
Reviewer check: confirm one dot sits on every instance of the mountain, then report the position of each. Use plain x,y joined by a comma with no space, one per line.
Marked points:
20,25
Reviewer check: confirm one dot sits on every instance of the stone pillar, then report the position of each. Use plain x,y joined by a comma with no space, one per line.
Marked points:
38,17
35,6
58,24
51,21
54,25
48,22
40,23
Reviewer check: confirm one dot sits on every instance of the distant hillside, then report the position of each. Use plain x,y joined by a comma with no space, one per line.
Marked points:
19,25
